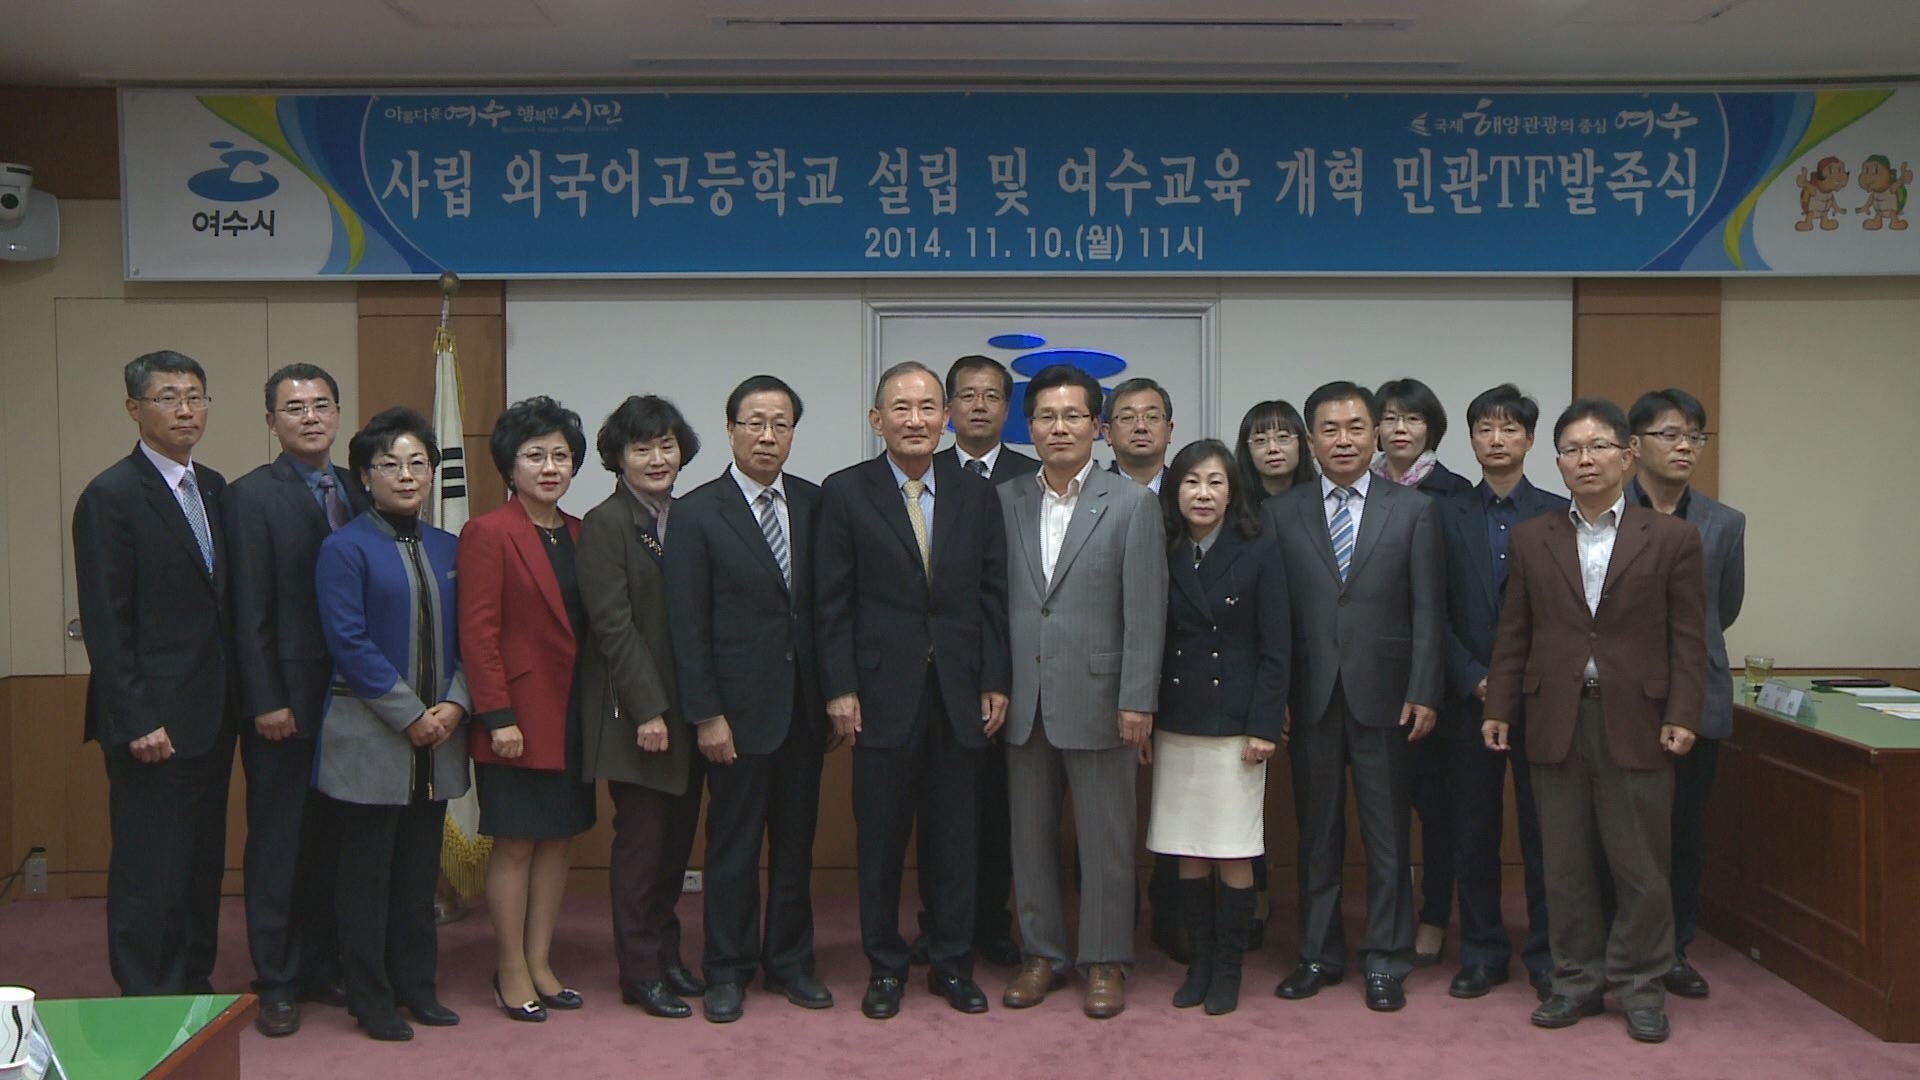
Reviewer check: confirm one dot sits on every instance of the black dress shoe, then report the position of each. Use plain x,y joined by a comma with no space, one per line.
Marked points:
277,1019
387,1027
803,990
683,982
432,1014
1476,980
882,1000
527,1012
723,1002
1000,951
331,994
1542,984
1384,993
1560,1011
657,999
961,992
1306,981
1683,980
565,999
1648,1025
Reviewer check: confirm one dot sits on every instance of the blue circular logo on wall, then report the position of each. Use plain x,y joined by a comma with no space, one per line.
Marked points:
1099,364
240,179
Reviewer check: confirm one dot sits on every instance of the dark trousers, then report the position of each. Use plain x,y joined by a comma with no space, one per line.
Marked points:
1477,782
1595,814
1433,801
389,865
652,842
1381,759
776,797
1692,786
934,777
169,825
293,850
993,855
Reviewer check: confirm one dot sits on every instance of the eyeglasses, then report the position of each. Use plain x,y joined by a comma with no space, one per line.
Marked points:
1574,453
1269,439
759,426
1050,419
296,411
1408,420
170,402
969,396
538,459
1151,418
1672,436
391,469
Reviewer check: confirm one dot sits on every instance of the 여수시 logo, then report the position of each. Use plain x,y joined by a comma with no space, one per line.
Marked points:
238,179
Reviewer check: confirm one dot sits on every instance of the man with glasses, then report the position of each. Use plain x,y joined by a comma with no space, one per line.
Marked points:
1602,653
150,558
1138,423
277,515
979,389
1087,597
740,585
1669,435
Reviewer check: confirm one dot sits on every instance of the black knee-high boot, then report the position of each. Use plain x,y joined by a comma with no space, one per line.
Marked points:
1234,916
1196,918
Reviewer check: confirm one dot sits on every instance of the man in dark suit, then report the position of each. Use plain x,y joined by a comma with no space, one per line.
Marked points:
276,517
911,591
1608,700
740,583
150,559
1137,422
1669,432
978,391
1478,529
1364,569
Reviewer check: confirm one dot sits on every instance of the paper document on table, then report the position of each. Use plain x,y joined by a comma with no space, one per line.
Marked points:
1879,691
1902,711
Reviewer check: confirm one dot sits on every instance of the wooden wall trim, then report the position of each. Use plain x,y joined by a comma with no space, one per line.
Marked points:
1646,296
70,135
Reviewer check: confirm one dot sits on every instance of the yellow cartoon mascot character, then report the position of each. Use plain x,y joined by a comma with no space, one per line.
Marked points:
1886,193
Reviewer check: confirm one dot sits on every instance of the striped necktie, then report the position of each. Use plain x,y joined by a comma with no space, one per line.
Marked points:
197,518
977,467
1340,530
337,514
776,536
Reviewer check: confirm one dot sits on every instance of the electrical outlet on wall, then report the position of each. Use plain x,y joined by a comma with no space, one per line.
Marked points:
35,873
693,882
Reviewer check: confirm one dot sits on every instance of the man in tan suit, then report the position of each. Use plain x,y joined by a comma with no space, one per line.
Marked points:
1609,701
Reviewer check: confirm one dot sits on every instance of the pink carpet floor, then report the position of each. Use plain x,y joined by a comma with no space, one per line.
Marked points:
1754,1027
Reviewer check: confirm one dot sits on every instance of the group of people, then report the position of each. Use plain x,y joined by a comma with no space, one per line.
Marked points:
989,633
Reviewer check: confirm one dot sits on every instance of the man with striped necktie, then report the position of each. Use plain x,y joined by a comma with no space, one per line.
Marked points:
1365,571
150,558
740,584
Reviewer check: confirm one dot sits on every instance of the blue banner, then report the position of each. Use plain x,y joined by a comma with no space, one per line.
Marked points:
507,184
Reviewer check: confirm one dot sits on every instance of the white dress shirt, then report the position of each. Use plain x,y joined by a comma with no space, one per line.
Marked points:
1056,513
1355,505
172,472
752,488
1595,543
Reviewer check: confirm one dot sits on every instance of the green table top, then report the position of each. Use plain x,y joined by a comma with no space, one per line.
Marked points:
112,1038
1842,715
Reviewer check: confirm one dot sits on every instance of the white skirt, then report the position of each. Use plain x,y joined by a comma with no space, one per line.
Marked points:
1207,803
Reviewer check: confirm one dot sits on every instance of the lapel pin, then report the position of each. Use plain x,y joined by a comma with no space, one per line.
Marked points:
1232,600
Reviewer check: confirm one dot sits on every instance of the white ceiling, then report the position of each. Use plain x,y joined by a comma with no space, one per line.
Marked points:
282,42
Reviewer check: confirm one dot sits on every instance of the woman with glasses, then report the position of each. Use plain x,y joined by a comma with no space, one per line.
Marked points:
1223,693
391,750
1271,454
636,739
1412,423
522,631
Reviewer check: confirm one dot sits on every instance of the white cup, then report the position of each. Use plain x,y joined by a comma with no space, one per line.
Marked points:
16,1024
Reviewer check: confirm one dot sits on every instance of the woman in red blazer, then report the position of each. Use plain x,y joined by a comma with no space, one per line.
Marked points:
521,625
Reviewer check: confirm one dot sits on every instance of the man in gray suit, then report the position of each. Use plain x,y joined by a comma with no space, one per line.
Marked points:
1365,570
1669,432
1087,598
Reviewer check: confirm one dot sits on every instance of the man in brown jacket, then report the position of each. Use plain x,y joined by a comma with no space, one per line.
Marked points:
1602,653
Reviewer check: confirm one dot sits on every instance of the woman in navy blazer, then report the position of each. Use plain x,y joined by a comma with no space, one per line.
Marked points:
522,624
1223,695
390,750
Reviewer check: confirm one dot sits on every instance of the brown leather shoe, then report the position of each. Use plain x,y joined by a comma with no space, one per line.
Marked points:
1029,988
1106,991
